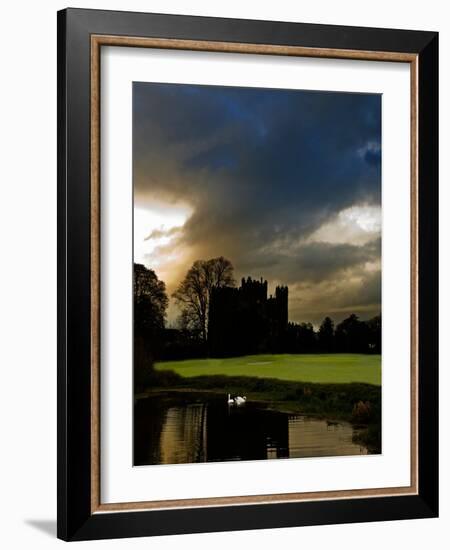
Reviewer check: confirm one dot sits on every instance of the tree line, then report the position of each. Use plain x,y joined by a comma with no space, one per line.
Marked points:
193,295
352,335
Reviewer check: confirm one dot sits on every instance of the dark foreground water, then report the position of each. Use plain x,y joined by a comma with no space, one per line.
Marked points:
180,429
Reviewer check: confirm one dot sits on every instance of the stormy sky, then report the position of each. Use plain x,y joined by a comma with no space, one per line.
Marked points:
284,183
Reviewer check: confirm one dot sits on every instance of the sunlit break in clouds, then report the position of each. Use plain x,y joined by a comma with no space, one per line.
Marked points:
156,231
286,184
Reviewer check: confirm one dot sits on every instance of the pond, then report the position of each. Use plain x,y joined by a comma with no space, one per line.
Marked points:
187,428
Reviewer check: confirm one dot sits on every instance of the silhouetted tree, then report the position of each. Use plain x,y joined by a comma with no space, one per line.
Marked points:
150,300
352,335
300,338
150,305
194,292
307,337
374,334
326,336
143,368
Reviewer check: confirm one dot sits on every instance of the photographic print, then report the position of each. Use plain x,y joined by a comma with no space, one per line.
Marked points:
257,273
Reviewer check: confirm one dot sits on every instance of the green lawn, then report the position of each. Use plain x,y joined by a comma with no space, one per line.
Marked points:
323,368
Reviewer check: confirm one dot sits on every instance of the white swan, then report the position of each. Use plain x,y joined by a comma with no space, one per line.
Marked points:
240,400
230,400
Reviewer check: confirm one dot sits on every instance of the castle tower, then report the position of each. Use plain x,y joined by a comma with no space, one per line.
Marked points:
281,299
244,321
254,290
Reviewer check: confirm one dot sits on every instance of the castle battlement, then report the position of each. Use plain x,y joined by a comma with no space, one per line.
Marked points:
244,320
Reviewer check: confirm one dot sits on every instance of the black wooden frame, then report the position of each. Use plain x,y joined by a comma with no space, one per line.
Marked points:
75,521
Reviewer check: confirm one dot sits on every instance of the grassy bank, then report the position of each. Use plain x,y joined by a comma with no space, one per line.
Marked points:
315,368
327,400
332,386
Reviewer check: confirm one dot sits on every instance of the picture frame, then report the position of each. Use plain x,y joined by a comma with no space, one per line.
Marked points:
81,36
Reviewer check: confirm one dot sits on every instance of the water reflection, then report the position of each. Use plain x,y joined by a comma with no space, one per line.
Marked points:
183,437
313,437
185,429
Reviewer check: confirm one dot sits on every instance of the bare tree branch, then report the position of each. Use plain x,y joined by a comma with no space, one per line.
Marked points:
194,292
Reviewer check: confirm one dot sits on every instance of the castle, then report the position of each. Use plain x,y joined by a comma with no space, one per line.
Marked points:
244,321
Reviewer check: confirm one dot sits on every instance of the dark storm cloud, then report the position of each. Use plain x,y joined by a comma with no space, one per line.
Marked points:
337,297
261,169
298,150
310,262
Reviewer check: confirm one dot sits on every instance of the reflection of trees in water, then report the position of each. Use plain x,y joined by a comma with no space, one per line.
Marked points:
171,431
149,418
168,434
246,434
309,437
181,439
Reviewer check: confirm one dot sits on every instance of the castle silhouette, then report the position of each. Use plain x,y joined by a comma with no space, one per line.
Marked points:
244,321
